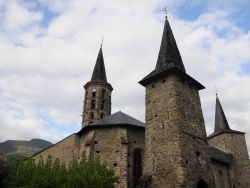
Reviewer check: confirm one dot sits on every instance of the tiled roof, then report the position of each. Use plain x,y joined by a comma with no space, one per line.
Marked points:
118,119
99,73
221,156
221,124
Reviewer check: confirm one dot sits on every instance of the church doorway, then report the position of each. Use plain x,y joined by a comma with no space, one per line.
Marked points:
137,166
202,184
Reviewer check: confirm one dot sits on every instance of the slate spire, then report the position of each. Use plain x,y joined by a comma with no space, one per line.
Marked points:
99,73
169,60
221,123
169,55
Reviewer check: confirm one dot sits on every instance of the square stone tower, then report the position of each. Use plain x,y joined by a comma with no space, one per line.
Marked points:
234,142
177,151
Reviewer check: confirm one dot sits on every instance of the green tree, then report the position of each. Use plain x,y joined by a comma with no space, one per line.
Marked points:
3,170
90,174
51,173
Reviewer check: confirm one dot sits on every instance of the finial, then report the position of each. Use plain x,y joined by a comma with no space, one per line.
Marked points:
165,11
102,41
216,92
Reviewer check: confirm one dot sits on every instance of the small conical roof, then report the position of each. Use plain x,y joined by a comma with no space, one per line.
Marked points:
99,73
169,55
221,124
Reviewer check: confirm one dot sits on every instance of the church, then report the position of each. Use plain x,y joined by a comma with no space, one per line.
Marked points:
171,149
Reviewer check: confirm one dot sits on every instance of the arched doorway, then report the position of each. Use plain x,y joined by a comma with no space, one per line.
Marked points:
137,166
202,184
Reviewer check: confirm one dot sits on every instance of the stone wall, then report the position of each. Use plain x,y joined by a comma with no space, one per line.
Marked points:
176,153
236,144
136,142
109,145
222,174
65,150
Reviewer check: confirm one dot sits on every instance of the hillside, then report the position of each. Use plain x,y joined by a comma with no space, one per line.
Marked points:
15,149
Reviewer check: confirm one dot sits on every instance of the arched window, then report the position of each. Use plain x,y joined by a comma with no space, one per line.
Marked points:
221,179
93,104
198,157
102,115
103,93
202,184
91,115
86,94
93,92
102,105
137,166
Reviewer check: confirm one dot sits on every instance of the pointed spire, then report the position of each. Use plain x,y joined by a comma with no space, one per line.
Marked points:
169,60
99,73
169,55
221,123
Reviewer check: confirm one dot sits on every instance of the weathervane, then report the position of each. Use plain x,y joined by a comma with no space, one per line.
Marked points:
165,11
102,41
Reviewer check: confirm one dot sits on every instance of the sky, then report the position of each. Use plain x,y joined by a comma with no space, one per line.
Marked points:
48,50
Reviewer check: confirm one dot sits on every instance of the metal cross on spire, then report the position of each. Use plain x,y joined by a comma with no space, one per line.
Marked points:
165,10
102,41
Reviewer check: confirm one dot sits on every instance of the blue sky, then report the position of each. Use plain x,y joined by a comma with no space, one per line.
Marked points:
49,48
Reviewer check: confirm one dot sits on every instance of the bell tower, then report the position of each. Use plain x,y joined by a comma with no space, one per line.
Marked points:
97,101
176,147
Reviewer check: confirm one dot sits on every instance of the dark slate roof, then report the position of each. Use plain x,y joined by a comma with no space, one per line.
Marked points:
169,55
221,156
169,60
118,119
221,124
99,73
155,75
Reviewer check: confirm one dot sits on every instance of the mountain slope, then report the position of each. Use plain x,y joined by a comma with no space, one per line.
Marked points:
15,149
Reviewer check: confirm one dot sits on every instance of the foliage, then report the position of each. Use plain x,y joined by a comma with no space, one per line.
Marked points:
51,173
90,174
3,169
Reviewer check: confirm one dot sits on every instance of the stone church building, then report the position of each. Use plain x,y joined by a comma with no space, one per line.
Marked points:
171,149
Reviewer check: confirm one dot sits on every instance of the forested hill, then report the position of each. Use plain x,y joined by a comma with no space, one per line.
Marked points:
15,149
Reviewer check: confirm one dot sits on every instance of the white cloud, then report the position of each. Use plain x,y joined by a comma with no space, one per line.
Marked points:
17,17
43,68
